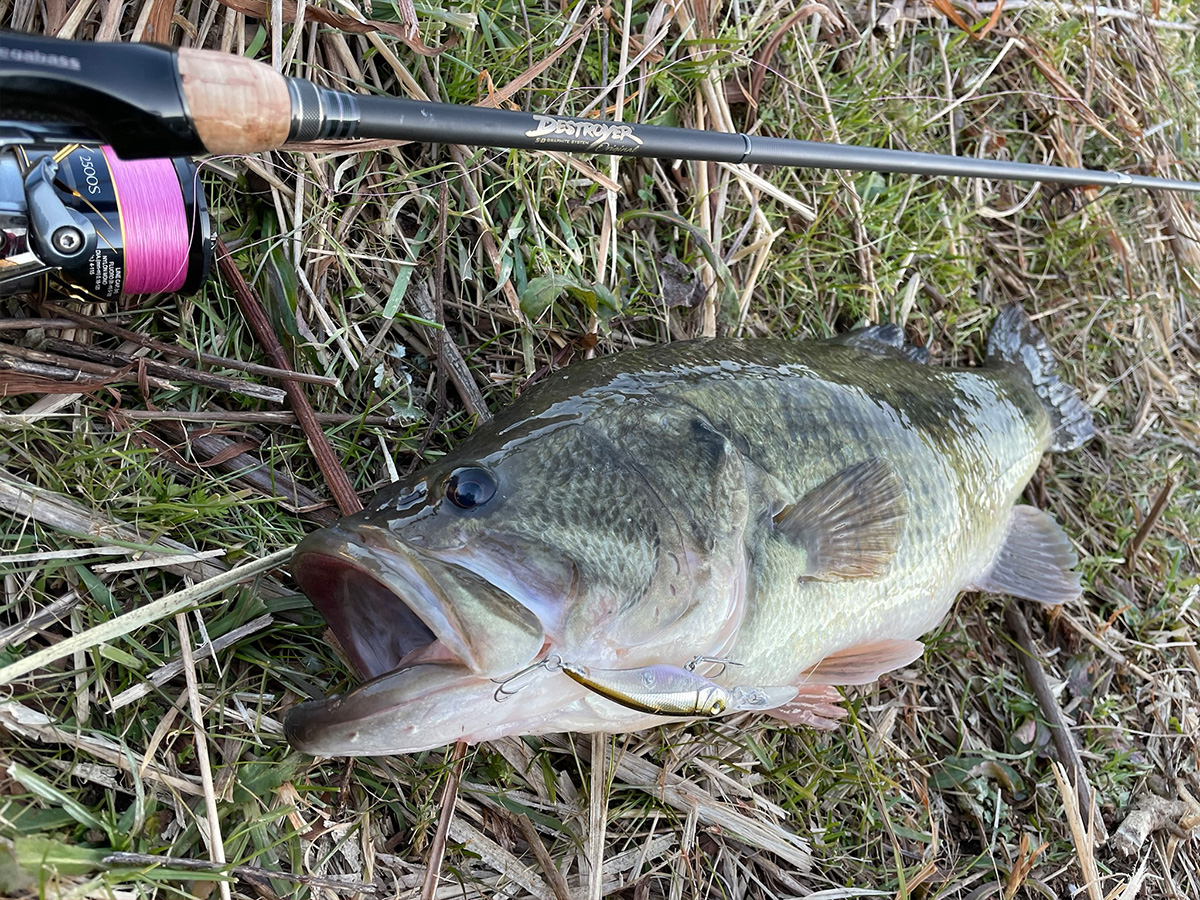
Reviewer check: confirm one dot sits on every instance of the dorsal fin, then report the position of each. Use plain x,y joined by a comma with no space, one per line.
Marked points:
886,340
849,526
1015,340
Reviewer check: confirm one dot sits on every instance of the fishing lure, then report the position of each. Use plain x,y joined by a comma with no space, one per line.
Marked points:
665,690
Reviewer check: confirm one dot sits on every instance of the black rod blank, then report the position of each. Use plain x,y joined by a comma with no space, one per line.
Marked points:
336,114
136,98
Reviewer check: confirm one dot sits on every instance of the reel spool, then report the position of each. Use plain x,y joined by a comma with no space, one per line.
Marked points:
71,211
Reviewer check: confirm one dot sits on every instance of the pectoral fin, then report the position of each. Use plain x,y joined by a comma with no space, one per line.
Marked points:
850,526
1035,561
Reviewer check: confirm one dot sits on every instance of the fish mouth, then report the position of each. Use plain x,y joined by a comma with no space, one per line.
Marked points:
377,629
421,626
392,605
390,714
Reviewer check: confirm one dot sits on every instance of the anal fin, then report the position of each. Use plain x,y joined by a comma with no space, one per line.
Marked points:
1035,562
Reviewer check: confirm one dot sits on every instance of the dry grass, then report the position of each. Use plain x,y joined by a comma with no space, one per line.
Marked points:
943,782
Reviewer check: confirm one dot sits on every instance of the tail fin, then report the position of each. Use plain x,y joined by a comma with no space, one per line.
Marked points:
1015,340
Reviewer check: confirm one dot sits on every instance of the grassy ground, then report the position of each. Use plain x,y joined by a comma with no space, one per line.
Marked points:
941,784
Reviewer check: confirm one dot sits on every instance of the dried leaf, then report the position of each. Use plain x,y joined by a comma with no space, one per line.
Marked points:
261,9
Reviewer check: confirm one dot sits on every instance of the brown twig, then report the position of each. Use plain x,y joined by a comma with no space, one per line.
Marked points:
437,849
1152,517
456,367
65,364
71,317
762,62
161,370
500,96
28,324
1060,728
18,376
263,417
335,476
557,883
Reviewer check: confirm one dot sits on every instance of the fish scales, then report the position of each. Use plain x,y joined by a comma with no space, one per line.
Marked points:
754,520
966,441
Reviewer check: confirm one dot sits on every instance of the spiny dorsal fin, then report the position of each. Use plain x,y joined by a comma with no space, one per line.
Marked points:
850,525
863,663
888,336
1035,561
886,340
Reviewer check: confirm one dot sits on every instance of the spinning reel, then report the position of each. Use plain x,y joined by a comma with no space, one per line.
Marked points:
71,211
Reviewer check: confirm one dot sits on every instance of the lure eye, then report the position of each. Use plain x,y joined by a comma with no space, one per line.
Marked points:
711,702
470,487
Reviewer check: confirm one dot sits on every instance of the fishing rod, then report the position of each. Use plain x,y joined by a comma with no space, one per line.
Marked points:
153,107
147,101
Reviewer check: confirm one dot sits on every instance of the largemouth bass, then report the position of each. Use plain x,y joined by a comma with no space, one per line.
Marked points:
690,530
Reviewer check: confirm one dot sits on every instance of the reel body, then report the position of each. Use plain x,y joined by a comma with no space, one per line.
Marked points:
71,211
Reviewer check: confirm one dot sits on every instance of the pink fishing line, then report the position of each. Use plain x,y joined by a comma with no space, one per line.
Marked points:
154,223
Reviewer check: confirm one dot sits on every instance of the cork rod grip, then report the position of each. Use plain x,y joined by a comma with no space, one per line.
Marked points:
237,105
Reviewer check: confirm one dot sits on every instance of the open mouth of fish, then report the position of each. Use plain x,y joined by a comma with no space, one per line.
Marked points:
430,636
377,629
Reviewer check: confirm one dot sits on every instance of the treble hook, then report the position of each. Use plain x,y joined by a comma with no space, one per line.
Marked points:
721,661
551,663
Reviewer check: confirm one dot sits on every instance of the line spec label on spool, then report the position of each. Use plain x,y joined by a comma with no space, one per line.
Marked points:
90,190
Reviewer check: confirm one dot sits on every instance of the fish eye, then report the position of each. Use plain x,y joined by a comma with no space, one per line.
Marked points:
470,487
